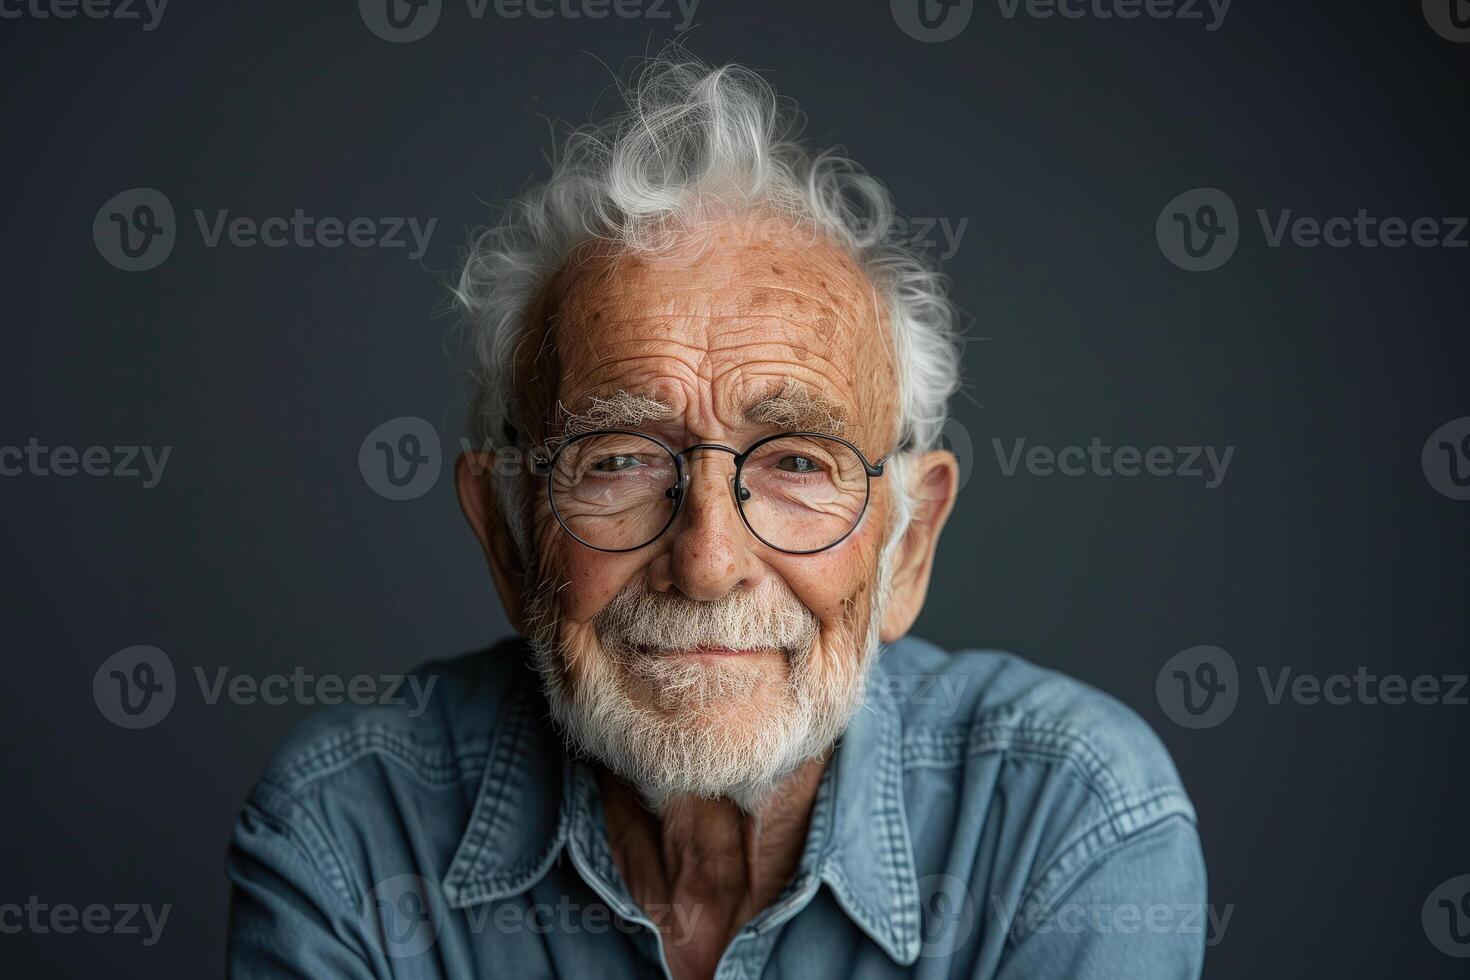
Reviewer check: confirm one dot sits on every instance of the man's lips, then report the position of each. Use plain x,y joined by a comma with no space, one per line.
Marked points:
704,650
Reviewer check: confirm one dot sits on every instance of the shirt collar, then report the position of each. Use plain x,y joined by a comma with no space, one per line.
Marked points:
858,843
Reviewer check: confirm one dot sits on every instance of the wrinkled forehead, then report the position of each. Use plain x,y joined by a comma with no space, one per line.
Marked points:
741,323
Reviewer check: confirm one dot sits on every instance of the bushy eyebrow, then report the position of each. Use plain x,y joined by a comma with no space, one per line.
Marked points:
620,410
794,406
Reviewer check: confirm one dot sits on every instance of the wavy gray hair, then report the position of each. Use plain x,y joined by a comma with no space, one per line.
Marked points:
694,139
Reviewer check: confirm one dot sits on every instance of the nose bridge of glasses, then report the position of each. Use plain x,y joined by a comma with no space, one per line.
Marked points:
717,447
686,465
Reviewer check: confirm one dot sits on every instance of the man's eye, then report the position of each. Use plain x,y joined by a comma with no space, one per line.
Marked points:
613,464
797,464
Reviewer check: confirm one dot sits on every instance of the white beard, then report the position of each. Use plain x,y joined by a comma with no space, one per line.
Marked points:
673,726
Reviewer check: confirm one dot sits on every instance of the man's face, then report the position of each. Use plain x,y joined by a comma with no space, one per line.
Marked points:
741,331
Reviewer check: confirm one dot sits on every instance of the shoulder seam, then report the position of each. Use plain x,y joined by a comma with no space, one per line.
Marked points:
1111,833
938,747
435,765
270,803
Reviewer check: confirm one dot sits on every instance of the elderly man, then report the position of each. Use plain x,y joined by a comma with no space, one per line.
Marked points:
710,384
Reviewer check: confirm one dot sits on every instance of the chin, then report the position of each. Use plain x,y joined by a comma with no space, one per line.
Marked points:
730,727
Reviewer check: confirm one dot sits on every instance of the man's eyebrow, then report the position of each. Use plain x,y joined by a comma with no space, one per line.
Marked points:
797,407
619,410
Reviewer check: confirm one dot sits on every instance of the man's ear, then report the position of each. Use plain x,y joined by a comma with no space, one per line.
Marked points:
933,481
474,481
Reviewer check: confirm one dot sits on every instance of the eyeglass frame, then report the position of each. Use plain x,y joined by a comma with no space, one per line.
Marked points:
679,491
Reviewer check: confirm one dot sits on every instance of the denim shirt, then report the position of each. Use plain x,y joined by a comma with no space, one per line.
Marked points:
981,817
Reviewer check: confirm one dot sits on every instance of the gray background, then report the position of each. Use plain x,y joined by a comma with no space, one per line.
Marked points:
264,549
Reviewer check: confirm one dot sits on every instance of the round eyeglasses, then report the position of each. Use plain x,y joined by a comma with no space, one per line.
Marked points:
797,492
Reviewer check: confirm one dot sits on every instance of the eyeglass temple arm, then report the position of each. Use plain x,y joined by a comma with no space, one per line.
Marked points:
875,468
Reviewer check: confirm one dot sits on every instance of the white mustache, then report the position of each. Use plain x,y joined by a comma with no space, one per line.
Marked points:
640,619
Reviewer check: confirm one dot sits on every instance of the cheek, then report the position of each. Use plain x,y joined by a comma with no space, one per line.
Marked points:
587,580
838,585
592,579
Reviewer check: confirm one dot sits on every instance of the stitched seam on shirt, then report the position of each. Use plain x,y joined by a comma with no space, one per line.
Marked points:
507,744
321,854
1115,830
894,839
1056,744
850,897
431,765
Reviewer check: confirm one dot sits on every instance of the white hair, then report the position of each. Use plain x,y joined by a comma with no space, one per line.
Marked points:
696,139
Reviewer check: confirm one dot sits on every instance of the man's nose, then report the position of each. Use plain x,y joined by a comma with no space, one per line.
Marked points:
711,553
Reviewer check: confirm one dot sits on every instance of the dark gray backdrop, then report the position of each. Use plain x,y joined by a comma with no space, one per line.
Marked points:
263,548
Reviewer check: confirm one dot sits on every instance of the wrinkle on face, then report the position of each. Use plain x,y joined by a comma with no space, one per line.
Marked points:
744,335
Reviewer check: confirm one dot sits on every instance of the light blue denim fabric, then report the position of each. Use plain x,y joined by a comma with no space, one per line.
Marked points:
981,817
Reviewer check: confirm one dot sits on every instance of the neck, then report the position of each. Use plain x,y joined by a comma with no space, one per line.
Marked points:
711,864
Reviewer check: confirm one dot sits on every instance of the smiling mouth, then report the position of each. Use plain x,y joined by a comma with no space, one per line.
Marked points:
702,651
